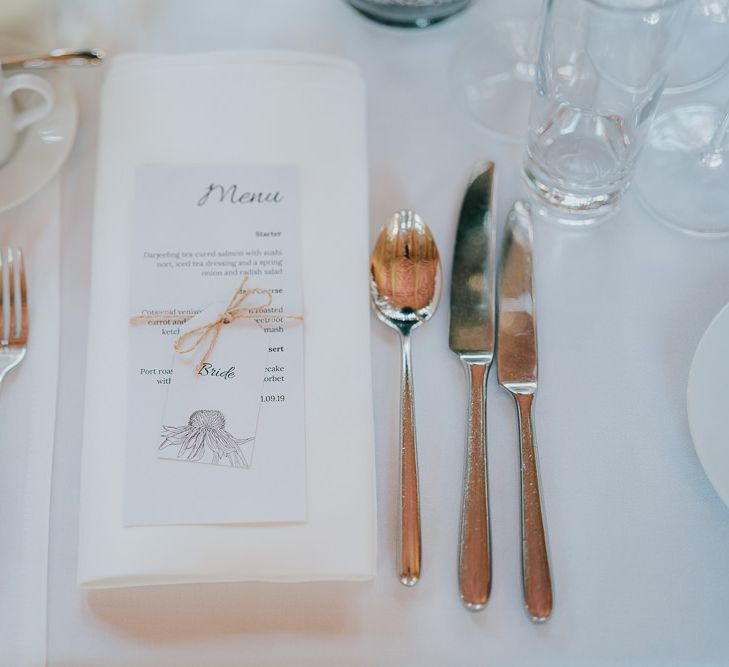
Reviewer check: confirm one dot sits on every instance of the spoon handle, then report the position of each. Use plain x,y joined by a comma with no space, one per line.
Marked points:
474,558
408,535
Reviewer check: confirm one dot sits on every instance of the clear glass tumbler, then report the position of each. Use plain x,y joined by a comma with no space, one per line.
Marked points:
601,69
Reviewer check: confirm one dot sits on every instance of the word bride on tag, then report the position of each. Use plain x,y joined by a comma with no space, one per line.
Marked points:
208,369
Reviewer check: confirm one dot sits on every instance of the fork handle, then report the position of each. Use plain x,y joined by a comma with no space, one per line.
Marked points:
409,544
536,576
474,559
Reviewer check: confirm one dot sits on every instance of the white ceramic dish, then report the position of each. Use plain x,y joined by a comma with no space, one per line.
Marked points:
44,146
708,402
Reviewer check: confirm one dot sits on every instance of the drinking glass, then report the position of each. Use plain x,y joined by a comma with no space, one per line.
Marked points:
683,174
493,69
601,69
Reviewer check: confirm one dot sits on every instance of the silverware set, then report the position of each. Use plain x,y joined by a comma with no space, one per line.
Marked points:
405,284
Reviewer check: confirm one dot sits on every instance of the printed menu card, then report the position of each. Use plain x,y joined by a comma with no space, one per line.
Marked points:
216,414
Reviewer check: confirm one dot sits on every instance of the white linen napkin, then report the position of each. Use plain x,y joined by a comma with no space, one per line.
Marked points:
231,108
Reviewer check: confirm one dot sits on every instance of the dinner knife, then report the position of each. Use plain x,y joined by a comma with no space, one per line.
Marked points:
472,339
516,362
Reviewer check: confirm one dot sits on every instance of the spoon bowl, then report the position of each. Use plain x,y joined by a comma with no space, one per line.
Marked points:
405,272
405,288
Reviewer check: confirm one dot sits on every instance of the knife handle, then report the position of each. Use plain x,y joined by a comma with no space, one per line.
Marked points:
535,560
408,536
474,558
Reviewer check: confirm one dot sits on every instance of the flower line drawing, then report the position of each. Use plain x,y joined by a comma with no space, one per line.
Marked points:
205,432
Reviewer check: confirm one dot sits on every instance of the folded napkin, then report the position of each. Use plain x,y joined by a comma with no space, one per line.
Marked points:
232,108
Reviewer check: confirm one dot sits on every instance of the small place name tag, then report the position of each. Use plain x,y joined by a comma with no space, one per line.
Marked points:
215,434
212,409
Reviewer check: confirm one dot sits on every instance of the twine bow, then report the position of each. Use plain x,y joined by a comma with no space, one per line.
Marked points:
235,310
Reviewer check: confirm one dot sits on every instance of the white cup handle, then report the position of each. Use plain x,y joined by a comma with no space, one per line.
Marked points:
34,83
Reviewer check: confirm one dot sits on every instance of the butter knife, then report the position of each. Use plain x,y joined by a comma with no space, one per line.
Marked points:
516,361
472,339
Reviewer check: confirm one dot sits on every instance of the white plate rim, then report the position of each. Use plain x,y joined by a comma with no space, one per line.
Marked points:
719,481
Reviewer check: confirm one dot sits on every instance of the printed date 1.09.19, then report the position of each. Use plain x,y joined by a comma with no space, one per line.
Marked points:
273,398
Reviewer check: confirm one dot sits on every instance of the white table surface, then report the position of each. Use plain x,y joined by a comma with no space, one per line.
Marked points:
639,540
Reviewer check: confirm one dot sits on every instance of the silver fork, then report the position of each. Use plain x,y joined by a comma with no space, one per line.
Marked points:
13,310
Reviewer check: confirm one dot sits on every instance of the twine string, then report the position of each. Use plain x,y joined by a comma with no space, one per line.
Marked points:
235,310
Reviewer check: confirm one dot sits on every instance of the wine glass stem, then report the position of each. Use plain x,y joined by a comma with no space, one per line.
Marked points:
535,40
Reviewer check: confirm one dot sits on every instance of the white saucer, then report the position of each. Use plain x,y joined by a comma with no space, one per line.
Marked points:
708,402
43,147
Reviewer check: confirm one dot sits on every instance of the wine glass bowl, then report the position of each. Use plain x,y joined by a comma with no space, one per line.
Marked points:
683,175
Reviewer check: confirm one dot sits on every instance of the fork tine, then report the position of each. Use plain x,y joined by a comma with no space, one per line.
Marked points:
11,292
23,298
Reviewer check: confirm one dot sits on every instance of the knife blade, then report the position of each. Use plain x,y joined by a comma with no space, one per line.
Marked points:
516,361
471,337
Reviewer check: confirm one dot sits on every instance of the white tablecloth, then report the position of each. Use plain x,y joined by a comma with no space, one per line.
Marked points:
28,416
27,422
639,540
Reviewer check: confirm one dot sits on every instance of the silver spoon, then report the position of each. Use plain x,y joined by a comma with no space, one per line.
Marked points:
55,58
405,287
